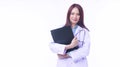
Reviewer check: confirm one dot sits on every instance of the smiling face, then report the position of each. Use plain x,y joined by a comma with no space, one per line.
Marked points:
74,16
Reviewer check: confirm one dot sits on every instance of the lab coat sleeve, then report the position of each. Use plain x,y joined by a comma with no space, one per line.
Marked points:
83,51
56,47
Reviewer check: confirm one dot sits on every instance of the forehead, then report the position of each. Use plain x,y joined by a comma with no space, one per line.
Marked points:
75,9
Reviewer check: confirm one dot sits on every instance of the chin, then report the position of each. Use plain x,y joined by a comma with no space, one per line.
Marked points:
74,22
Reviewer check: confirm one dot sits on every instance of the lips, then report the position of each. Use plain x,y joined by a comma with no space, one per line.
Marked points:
74,19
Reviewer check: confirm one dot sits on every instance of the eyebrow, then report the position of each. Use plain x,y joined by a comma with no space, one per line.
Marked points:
74,12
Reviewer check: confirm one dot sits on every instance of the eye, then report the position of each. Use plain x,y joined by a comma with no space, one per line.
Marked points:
78,14
72,13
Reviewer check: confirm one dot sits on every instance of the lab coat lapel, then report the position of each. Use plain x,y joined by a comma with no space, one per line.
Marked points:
78,30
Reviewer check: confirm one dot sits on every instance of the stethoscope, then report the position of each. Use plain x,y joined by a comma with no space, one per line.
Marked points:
83,36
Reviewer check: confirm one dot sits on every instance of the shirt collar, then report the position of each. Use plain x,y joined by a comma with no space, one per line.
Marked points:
78,29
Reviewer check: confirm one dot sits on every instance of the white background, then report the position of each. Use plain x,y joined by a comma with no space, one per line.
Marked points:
25,31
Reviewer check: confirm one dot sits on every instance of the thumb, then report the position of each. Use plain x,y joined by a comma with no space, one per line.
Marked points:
75,37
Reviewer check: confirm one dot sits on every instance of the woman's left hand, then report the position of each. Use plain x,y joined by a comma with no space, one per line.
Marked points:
63,56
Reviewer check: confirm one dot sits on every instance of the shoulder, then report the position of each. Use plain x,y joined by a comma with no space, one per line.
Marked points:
83,29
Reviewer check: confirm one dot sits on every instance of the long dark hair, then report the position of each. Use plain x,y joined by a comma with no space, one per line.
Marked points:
81,20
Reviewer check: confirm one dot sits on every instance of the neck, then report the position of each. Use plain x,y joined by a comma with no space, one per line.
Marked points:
73,25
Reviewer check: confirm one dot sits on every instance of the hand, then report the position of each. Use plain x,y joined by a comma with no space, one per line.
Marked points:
63,56
73,44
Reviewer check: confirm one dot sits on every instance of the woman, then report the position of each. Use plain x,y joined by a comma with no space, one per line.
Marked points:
75,58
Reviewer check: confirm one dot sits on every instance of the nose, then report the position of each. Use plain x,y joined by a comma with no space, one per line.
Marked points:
75,16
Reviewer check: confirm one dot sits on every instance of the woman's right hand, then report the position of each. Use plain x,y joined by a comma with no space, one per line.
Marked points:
73,44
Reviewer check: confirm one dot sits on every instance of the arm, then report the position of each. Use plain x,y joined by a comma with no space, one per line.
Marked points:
73,44
57,48
83,51
61,48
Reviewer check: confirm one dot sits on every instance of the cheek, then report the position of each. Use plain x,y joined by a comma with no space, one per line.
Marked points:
71,17
78,17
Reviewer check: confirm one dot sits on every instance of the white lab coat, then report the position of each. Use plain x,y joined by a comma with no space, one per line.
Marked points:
78,57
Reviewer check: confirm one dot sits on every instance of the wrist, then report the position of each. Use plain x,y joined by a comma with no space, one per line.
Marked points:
68,47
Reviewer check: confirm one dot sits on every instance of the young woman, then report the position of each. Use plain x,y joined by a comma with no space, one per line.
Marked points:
75,58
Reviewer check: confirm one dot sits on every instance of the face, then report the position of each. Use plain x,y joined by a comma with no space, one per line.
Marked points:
74,16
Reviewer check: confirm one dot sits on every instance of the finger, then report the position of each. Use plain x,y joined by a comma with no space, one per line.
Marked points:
78,40
75,38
